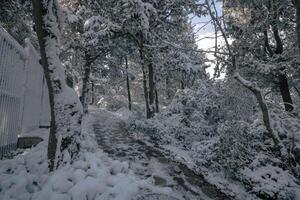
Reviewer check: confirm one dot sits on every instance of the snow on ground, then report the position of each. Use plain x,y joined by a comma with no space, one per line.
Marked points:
147,162
92,176
218,179
268,179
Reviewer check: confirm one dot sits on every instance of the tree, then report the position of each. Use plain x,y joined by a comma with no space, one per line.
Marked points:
234,63
297,7
258,28
147,29
128,84
66,110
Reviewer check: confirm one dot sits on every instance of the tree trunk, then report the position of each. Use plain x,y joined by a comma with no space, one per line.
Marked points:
182,84
128,84
93,92
168,93
66,113
283,82
285,93
151,89
156,101
156,96
85,80
265,112
145,84
39,12
297,5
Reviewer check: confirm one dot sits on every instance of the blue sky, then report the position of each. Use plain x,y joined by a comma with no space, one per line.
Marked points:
200,21
208,30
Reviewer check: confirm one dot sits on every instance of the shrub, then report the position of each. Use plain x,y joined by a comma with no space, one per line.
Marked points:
236,146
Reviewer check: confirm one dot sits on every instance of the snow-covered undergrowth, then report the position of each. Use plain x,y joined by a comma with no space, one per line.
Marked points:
223,137
92,176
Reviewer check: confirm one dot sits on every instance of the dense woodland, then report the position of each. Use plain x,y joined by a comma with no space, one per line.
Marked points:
239,125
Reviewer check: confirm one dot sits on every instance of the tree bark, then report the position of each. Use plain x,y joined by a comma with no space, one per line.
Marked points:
39,12
156,100
66,114
151,89
283,81
265,112
297,5
182,81
168,93
156,96
128,84
182,84
145,83
93,92
285,93
85,80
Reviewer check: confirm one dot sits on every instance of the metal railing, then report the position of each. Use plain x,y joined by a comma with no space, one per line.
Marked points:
23,92
12,64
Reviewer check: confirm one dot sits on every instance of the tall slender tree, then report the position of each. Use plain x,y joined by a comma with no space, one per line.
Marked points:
66,110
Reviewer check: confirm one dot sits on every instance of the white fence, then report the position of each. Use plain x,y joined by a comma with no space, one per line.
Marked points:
24,102
36,101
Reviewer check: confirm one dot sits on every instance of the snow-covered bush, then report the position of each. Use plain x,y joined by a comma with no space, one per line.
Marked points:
236,146
236,102
204,153
287,127
190,117
221,135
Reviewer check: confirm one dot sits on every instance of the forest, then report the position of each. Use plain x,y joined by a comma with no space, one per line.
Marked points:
149,99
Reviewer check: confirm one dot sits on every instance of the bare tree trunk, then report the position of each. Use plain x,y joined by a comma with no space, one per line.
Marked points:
182,85
156,96
285,92
151,89
297,5
65,113
156,101
93,92
145,84
39,12
85,80
266,117
128,84
168,95
283,81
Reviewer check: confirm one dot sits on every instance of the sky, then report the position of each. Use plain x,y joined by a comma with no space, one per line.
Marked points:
206,31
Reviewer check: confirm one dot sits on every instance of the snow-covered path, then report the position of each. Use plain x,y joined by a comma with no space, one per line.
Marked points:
148,162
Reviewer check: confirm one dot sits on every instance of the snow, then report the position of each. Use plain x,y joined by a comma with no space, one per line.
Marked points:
179,154
92,176
229,187
40,132
270,180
